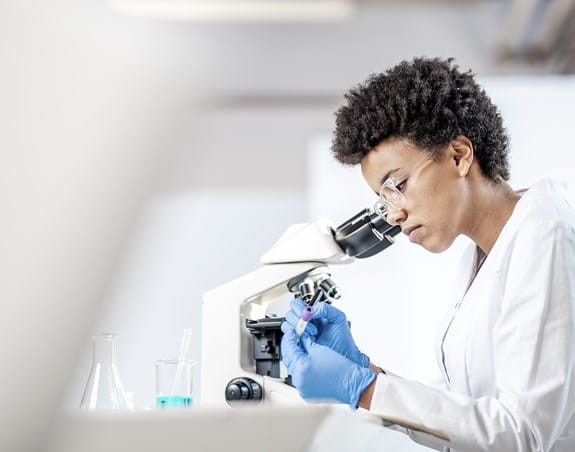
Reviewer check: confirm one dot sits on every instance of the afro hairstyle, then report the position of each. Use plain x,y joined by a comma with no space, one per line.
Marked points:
429,102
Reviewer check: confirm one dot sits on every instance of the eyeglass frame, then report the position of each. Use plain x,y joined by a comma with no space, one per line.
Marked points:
381,206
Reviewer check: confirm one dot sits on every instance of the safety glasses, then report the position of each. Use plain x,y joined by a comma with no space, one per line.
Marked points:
391,192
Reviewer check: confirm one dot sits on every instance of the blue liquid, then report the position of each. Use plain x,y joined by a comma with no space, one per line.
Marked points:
163,401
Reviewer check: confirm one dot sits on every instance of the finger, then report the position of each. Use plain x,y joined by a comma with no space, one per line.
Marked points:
306,343
327,311
317,324
291,318
297,306
310,329
291,347
293,321
289,326
286,326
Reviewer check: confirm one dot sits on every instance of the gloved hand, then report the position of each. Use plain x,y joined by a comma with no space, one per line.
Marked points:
330,328
321,374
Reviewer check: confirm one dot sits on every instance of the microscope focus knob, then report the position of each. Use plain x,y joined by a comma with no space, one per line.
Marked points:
243,389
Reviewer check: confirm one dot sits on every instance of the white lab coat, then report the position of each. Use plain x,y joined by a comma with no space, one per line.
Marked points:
507,349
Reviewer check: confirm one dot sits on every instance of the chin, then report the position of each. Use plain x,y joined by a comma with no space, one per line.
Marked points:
436,247
433,250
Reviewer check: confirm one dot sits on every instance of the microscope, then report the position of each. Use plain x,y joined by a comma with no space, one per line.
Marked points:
241,356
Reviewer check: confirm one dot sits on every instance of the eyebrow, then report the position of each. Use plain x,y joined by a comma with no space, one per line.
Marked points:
384,178
389,173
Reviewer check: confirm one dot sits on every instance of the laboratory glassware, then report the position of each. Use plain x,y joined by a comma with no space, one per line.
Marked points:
174,383
104,389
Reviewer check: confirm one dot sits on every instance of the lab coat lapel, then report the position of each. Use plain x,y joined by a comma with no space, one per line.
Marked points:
460,287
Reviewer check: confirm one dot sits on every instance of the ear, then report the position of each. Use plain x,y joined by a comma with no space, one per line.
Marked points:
462,154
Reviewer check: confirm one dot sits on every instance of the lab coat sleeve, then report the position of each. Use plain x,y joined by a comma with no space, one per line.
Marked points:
534,360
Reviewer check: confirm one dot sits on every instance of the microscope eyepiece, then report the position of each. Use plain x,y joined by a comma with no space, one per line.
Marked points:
365,234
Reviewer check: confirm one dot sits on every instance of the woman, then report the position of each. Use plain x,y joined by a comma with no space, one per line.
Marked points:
432,146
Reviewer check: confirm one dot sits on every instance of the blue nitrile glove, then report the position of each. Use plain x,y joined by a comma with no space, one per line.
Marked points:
330,328
321,374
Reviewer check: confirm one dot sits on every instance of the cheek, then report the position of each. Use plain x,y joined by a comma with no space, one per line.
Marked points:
440,236
440,233
443,212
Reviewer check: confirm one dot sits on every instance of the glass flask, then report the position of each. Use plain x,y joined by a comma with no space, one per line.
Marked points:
104,389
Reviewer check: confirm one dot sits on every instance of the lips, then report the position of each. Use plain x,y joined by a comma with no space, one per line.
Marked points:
411,232
410,229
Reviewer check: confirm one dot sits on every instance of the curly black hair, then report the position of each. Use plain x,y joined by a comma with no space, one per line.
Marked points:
428,101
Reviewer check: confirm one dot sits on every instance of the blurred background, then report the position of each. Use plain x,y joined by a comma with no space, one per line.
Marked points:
151,150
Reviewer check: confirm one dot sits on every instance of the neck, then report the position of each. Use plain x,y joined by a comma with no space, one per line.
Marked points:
493,205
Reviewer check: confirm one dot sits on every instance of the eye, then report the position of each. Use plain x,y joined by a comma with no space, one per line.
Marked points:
401,185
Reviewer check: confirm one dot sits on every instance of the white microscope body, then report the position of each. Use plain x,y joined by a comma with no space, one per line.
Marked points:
240,347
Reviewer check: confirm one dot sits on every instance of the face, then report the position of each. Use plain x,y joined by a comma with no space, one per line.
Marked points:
433,206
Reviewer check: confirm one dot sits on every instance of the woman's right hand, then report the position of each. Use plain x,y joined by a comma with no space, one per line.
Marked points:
329,327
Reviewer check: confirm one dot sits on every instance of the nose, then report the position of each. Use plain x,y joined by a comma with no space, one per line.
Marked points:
396,216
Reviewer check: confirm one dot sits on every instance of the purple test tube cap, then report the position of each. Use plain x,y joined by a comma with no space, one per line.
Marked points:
307,313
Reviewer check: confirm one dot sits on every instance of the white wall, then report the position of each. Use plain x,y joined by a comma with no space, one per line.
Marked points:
538,113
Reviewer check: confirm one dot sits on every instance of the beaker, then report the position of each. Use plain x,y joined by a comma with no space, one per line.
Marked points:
174,383
104,389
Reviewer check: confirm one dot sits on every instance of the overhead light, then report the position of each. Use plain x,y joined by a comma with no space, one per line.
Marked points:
238,10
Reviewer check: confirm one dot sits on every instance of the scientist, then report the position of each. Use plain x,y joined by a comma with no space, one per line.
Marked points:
432,146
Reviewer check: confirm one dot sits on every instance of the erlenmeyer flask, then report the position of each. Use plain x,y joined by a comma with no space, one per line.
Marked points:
104,389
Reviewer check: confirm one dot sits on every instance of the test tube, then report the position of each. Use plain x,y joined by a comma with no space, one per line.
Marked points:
304,319
315,298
